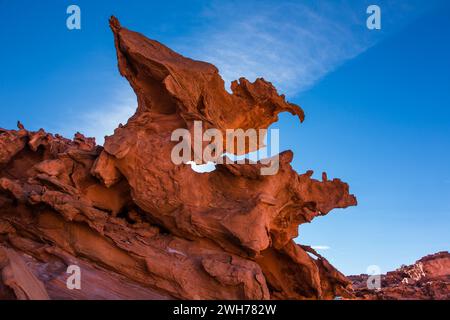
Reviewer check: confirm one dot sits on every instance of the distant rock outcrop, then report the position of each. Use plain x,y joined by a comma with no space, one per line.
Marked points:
141,227
427,279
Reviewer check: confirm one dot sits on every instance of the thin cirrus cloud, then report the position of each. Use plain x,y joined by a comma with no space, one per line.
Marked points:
101,122
321,247
104,123
292,44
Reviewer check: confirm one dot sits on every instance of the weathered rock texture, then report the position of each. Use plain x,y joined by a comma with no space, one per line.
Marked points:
141,227
427,279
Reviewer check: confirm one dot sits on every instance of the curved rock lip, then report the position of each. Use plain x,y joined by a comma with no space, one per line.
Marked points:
123,221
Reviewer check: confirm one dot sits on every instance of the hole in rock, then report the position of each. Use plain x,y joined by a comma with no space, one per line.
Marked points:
284,128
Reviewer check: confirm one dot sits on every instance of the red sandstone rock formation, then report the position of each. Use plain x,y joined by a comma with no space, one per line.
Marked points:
140,227
427,279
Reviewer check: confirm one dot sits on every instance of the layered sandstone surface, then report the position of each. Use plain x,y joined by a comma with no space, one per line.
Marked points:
141,227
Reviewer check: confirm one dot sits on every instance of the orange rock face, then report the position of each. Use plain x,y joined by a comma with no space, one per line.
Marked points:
141,227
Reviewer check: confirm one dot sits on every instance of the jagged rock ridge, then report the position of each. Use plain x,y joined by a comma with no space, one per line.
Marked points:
141,227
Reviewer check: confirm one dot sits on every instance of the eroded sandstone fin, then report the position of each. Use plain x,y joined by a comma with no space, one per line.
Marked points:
141,224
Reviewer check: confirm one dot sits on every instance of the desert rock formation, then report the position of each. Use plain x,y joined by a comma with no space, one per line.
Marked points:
141,227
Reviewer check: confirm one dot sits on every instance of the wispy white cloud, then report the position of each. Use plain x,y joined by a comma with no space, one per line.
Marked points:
321,247
100,120
103,121
292,44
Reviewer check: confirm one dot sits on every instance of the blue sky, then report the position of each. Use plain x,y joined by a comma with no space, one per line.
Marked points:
377,103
